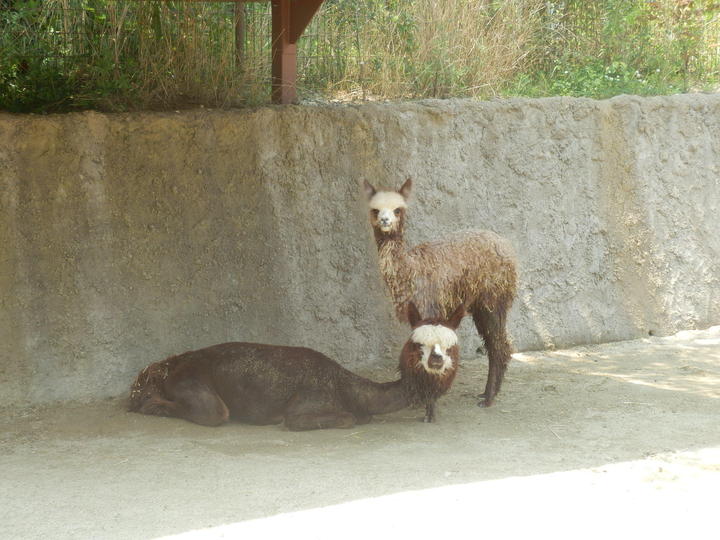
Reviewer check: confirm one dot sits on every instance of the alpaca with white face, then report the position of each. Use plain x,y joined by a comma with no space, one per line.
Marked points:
430,358
435,341
387,208
476,269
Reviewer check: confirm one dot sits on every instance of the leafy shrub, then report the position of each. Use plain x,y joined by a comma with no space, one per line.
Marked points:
60,55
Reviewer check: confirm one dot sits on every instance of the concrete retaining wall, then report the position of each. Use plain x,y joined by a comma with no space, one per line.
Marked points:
126,238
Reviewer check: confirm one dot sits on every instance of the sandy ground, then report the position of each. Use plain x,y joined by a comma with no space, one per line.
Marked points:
618,439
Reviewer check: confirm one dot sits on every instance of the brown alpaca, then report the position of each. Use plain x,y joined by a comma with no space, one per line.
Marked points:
430,358
476,269
267,384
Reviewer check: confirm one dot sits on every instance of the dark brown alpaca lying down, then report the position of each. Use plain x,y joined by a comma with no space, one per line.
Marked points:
268,384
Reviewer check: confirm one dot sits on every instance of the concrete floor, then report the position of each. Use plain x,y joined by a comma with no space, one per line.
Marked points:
618,439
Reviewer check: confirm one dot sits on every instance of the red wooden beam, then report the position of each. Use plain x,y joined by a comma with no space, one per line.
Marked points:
302,13
289,20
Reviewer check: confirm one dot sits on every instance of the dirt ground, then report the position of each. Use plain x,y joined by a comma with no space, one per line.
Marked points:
618,439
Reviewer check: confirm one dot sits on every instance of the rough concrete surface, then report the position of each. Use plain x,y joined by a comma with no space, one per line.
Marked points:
603,441
126,238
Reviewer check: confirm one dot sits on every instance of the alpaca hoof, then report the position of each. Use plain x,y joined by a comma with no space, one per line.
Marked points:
428,420
484,403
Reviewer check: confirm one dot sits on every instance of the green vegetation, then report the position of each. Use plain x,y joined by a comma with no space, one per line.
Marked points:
58,55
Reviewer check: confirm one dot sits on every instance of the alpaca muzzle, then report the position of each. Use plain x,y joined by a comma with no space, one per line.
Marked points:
385,219
435,361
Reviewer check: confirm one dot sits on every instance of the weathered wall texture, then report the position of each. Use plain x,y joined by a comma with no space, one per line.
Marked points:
127,238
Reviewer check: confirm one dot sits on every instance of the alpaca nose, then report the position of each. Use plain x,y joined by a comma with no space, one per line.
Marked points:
435,361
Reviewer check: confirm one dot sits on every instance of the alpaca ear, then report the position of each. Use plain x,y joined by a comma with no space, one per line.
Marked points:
369,189
413,314
406,188
456,317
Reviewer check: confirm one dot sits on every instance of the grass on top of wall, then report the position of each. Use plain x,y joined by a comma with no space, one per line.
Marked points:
59,55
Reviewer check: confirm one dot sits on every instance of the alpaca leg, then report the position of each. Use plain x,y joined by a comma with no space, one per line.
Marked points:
491,326
364,419
158,406
429,411
316,411
305,422
200,404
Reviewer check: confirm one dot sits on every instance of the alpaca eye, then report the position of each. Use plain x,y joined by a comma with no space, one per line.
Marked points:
397,211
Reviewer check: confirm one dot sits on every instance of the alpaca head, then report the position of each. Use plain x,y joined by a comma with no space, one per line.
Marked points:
433,344
387,208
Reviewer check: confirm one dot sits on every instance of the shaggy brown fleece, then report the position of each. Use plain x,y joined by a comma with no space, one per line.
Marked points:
476,269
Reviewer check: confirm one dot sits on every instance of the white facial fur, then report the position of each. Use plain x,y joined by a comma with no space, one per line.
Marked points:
438,338
385,202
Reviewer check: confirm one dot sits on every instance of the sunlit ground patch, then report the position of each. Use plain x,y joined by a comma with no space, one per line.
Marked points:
658,497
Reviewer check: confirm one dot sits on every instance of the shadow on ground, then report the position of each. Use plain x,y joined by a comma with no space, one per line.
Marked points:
572,430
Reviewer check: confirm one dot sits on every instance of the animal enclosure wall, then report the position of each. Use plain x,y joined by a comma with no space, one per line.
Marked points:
126,238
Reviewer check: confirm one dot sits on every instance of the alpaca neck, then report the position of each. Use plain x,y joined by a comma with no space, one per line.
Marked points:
420,386
368,397
390,242
395,266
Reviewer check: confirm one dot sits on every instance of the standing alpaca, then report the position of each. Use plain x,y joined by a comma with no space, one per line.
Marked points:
267,384
474,268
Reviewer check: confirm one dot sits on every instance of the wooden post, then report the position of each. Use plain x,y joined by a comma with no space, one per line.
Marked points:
289,20
284,54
